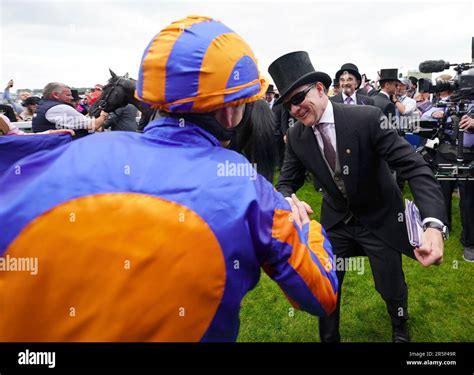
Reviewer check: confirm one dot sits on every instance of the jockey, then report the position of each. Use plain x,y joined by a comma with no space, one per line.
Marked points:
157,236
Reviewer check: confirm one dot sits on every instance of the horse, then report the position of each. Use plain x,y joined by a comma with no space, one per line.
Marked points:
255,139
118,92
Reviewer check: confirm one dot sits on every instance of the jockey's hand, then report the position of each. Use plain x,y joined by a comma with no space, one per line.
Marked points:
300,210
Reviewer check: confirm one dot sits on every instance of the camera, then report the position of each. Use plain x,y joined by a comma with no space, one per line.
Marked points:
444,147
462,85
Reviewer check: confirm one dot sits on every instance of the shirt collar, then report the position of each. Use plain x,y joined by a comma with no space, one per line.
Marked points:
353,96
328,114
383,92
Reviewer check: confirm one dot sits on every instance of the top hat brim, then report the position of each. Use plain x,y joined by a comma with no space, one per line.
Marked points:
355,73
311,77
389,79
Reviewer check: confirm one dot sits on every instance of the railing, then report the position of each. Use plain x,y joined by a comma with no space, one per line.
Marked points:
23,125
26,125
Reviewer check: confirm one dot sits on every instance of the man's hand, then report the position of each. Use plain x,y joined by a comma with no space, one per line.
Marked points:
61,131
10,84
300,210
437,114
431,249
466,122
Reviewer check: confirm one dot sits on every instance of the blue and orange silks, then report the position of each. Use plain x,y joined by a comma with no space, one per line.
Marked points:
197,65
139,237
15,147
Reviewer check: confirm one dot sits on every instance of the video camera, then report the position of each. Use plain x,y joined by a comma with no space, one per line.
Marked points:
444,137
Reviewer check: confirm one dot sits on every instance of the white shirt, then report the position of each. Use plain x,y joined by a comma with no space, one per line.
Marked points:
409,103
64,116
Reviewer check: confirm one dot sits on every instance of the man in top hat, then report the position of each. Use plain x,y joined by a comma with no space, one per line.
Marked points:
386,98
349,81
350,156
336,88
270,95
138,279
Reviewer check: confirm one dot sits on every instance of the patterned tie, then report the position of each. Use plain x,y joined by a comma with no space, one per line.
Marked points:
348,100
329,151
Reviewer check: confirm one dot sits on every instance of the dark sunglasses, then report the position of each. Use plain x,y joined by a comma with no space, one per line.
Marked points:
297,98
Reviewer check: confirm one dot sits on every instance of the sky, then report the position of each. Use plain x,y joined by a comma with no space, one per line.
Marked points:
75,42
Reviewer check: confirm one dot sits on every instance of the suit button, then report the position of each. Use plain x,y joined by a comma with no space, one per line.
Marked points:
336,178
348,151
340,188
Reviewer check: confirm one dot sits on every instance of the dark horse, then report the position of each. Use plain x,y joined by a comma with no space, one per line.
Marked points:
117,93
255,138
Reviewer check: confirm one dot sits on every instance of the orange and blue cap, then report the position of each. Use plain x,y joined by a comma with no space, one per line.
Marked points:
198,64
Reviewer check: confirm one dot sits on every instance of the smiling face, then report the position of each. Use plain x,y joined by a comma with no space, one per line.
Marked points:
348,83
63,94
401,89
310,110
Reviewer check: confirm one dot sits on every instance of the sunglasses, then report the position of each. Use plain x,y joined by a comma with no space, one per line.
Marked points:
297,98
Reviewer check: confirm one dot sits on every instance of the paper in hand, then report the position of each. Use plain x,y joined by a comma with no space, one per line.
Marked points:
413,222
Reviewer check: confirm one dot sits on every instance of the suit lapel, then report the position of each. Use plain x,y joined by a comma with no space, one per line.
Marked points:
360,99
347,148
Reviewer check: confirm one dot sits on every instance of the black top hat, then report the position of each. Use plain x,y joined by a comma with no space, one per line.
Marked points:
335,83
388,75
350,68
271,89
75,94
293,70
413,80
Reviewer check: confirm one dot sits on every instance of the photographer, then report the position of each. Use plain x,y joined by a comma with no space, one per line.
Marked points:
466,188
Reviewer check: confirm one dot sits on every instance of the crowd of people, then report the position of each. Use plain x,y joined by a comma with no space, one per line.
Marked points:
162,247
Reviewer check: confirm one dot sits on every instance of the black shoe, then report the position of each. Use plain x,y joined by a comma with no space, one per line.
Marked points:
400,333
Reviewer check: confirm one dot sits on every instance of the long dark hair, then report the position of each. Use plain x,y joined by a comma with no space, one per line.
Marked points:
256,138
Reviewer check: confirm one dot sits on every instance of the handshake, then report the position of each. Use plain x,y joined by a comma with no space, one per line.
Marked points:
300,210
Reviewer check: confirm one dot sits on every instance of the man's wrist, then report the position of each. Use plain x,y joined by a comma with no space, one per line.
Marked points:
443,229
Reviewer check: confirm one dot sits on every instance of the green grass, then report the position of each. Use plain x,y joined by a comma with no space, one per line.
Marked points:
440,300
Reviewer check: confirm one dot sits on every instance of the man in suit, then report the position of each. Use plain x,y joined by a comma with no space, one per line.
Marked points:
386,98
270,96
336,89
350,155
349,80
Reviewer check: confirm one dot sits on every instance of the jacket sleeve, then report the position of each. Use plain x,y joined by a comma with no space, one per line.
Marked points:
292,172
299,260
401,157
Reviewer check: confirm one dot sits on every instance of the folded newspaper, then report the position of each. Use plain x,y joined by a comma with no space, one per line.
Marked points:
414,225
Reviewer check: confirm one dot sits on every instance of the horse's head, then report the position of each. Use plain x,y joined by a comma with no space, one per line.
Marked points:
115,94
